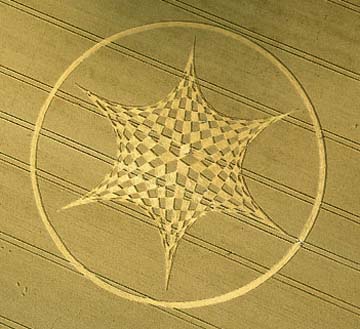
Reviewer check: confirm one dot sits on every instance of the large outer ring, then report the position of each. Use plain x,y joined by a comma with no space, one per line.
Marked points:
192,303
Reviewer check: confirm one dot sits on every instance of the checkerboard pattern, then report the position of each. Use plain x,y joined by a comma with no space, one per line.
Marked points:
179,159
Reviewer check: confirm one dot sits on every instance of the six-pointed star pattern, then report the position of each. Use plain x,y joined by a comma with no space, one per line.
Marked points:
179,159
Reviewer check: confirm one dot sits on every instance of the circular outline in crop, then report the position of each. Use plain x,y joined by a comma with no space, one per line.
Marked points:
206,301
